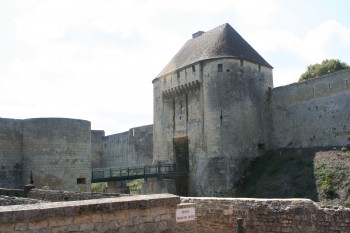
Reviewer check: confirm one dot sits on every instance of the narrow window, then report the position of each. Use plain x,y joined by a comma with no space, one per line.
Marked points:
219,67
186,108
221,117
193,69
178,74
259,67
182,109
242,63
81,181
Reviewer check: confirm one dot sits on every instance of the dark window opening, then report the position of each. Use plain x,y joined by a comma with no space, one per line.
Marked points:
81,181
181,153
228,70
219,67
178,74
261,146
259,67
221,117
193,68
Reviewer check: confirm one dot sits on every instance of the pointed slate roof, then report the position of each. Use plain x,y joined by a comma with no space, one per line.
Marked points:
222,41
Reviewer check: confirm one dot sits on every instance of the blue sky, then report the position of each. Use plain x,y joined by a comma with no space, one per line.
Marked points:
96,59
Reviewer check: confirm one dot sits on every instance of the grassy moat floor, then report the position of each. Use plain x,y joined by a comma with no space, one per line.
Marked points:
320,174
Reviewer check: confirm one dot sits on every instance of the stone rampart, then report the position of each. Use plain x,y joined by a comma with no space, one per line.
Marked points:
58,196
11,159
219,215
153,213
97,144
131,148
314,113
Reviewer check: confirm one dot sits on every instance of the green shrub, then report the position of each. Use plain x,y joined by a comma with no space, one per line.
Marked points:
135,186
98,187
327,187
45,187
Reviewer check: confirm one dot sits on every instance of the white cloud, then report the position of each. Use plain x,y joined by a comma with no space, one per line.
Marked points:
325,41
95,60
291,53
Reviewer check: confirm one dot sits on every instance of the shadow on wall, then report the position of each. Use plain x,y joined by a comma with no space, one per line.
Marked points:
286,173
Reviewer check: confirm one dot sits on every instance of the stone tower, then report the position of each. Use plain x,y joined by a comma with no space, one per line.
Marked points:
211,111
53,152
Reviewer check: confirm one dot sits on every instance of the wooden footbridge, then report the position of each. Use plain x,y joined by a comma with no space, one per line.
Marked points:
131,173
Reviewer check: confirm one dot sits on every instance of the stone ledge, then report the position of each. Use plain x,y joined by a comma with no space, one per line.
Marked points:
41,211
253,202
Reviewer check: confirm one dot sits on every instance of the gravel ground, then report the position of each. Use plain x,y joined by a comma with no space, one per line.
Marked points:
5,200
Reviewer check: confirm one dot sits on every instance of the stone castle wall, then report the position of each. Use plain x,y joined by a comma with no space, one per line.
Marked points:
11,158
226,117
157,213
55,151
220,107
97,144
313,113
235,110
131,148
58,153
267,215
152,213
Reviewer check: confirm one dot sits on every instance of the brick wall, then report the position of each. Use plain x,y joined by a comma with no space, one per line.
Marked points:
216,215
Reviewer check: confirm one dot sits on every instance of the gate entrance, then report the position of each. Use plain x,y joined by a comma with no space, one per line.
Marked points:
181,160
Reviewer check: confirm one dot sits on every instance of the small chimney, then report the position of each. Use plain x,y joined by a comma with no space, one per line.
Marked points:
197,34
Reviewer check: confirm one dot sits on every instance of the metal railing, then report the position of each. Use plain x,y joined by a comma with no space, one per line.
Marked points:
132,173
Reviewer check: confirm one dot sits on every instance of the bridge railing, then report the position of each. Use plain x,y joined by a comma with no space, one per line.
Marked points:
131,173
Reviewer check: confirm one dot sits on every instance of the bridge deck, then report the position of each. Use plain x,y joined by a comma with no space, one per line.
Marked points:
132,173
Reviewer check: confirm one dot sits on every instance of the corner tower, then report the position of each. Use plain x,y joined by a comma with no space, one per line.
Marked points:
211,111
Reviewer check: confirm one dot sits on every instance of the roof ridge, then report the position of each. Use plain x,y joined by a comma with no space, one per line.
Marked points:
222,25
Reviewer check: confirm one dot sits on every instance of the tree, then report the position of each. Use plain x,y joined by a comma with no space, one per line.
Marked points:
327,66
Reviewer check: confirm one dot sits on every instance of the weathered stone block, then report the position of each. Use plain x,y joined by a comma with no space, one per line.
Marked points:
38,224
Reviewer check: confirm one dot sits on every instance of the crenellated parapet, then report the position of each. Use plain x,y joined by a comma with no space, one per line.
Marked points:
181,89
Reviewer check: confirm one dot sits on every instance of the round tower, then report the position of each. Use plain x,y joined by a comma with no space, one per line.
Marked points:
57,153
